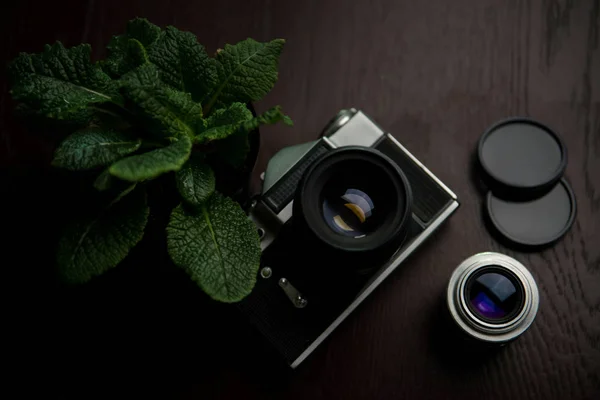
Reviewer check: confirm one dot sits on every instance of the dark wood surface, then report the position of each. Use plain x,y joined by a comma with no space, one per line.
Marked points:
435,74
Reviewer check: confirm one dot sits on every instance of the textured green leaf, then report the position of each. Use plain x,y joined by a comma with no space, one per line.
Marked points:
233,114
224,122
99,241
234,149
269,117
104,181
128,51
145,75
126,54
93,148
243,126
183,63
246,72
153,163
165,111
53,128
195,181
61,83
143,31
218,246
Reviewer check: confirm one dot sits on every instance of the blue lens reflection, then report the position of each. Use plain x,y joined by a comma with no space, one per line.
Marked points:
493,295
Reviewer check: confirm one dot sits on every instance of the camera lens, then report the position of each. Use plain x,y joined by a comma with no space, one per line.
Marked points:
494,294
492,297
354,199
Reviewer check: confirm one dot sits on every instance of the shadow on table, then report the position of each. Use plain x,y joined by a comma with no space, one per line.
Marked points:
455,351
141,328
158,333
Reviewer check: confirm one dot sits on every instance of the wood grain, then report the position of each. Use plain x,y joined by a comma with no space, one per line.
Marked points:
435,74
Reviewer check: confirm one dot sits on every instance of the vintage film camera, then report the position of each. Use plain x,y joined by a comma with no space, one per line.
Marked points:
336,216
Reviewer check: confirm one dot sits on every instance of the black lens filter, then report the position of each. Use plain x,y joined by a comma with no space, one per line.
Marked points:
521,159
533,223
521,162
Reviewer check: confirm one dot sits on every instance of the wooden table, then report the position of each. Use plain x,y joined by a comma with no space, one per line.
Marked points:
435,74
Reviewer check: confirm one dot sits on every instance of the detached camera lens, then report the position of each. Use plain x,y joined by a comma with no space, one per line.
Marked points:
492,297
354,199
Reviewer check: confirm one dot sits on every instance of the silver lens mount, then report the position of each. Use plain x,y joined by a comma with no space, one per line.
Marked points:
477,327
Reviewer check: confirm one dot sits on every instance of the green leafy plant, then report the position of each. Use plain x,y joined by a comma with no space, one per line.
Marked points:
158,104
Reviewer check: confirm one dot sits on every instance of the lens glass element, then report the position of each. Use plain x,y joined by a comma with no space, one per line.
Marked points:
494,295
349,213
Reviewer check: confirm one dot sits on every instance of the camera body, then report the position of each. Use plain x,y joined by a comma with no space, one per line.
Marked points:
303,291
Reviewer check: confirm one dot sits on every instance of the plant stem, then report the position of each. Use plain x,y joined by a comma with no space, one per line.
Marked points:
207,109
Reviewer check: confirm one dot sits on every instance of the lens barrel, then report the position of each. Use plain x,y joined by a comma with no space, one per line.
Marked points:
354,200
492,297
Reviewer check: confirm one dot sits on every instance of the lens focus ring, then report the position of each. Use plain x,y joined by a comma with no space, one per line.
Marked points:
477,323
